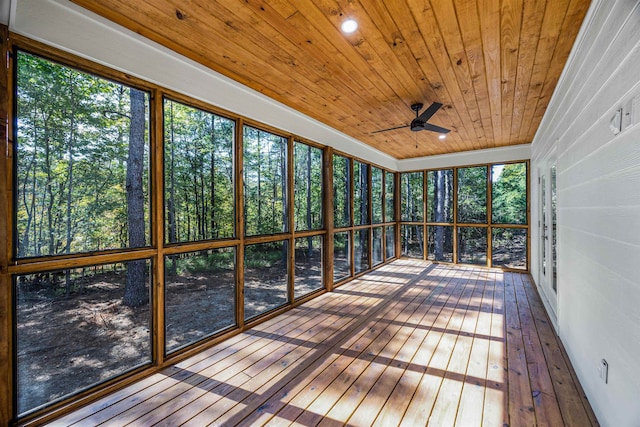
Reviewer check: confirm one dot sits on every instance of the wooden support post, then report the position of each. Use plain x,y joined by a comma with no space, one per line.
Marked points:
290,206
454,238
489,214
6,330
396,209
425,239
157,224
327,195
239,203
352,234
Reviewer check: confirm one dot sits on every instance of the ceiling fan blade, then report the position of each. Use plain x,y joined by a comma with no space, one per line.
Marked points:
430,111
384,130
434,128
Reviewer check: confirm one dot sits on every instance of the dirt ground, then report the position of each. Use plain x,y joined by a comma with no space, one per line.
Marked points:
68,343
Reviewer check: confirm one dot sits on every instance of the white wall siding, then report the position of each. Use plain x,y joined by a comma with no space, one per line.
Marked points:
598,304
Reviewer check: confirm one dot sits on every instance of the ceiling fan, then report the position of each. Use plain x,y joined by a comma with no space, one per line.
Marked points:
420,122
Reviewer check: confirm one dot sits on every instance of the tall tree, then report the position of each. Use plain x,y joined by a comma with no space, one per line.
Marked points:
135,293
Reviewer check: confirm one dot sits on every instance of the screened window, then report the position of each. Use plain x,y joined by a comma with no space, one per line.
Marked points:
341,255
411,199
509,247
472,245
78,317
265,277
376,195
390,238
440,243
440,195
308,266
412,240
198,181
509,193
341,192
360,193
82,157
389,198
361,250
200,297
265,182
307,199
472,194
376,246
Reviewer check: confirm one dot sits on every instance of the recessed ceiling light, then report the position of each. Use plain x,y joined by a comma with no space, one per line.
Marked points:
349,26
442,136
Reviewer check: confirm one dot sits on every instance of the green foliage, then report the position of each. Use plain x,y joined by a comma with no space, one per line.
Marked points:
376,195
360,193
199,191
389,187
411,196
266,255
440,195
472,194
341,195
217,260
509,194
265,182
307,168
72,146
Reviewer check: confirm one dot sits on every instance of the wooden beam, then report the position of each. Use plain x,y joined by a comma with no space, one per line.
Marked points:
6,318
327,197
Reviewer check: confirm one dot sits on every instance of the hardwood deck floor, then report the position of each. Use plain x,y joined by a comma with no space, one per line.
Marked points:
412,343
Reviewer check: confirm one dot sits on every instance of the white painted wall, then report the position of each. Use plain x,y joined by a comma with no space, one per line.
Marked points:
598,208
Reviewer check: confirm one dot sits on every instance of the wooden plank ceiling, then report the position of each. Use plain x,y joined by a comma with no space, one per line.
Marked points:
493,64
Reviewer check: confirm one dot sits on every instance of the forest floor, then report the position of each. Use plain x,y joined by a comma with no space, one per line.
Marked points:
68,343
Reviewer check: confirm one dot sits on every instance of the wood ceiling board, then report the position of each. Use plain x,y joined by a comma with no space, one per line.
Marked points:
493,65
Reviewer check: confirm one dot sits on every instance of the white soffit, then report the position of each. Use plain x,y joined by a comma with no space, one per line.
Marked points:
491,155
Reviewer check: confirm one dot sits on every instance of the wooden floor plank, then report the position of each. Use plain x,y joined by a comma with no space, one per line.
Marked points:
412,343
396,404
448,323
571,399
496,401
544,397
521,410
472,396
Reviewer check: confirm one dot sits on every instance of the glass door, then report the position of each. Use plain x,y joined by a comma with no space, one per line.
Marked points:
548,240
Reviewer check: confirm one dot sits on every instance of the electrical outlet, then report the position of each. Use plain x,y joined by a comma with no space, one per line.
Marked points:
603,371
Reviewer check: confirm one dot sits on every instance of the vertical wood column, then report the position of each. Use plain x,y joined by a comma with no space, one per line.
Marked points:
289,191
528,192
370,213
157,224
396,210
6,360
489,214
239,203
455,217
327,196
425,237
352,238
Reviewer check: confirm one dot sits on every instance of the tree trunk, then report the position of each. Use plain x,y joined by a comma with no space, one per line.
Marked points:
347,193
172,190
309,239
439,193
214,228
259,167
135,293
